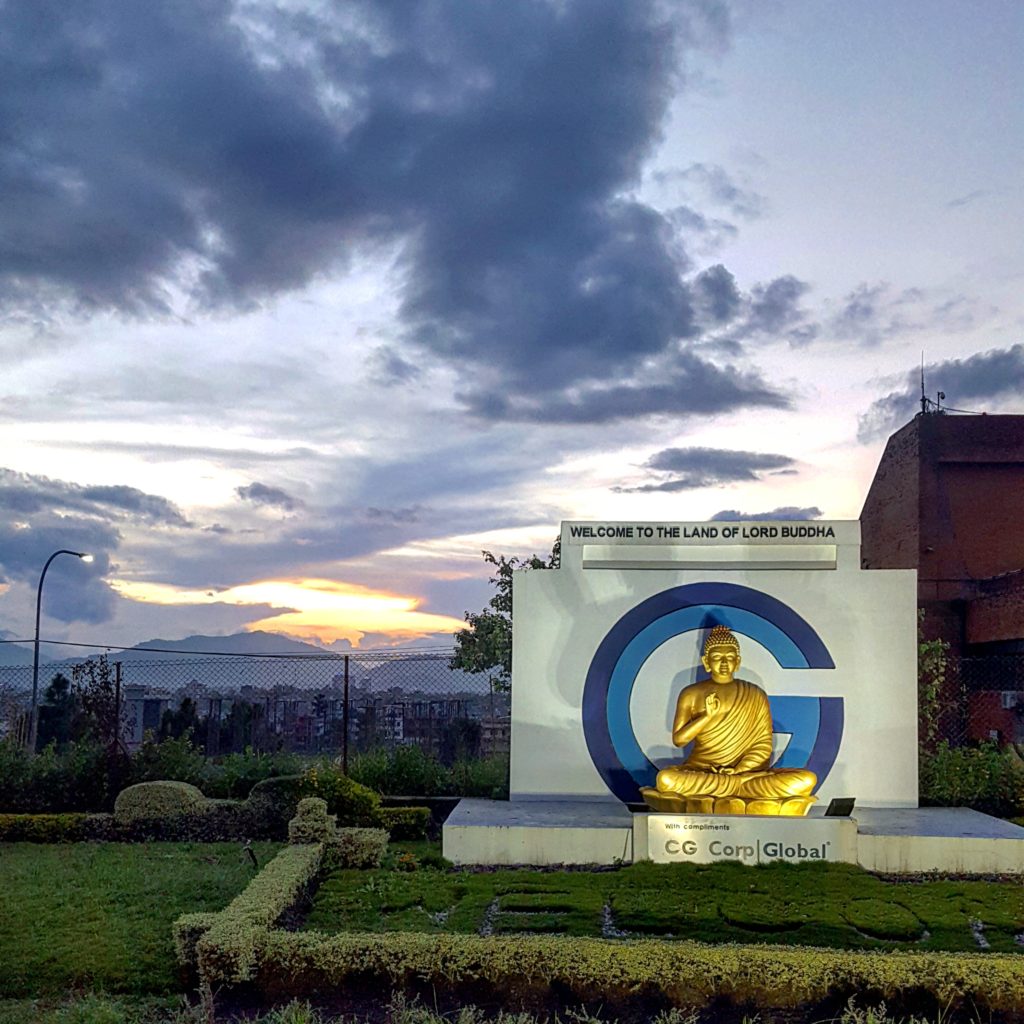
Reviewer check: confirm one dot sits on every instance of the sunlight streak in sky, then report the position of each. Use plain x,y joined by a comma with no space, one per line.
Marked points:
318,609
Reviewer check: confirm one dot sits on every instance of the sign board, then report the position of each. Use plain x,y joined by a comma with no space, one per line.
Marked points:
603,646
703,839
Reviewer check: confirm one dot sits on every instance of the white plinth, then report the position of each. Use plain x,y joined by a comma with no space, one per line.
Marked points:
951,839
538,832
888,840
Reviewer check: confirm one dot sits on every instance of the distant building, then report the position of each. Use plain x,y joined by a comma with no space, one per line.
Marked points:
495,736
425,721
948,500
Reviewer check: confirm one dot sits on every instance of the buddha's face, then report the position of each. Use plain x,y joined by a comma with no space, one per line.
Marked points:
722,662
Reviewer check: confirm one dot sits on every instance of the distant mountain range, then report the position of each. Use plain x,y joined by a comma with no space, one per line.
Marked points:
17,654
256,642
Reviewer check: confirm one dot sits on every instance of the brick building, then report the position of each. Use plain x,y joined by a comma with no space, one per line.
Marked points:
948,500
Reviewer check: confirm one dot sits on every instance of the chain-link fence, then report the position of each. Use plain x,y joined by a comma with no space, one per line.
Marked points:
337,705
317,705
980,698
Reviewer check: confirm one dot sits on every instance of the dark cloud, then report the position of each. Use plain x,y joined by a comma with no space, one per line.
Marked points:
22,494
707,233
74,590
968,383
716,294
39,516
683,469
394,515
729,319
238,152
775,307
783,514
386,366
687,387
268,497
873,313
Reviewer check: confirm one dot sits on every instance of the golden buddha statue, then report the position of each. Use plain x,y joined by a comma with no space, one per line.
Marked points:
729,722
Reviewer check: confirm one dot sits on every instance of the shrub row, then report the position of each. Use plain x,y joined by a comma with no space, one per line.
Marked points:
409,770
983,777
87,776
525,971
520,970
225,945
173,811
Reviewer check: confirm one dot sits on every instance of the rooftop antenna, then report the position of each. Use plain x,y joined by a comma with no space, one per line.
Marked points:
924,400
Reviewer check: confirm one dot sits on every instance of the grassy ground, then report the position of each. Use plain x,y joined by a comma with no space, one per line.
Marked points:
833,905
98,915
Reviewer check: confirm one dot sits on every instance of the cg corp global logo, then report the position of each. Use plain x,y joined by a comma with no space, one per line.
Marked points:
814,723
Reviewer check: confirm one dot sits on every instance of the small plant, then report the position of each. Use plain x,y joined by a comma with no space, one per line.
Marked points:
983,777
406,862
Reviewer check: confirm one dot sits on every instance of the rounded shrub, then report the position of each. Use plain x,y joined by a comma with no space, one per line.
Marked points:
157,800
354,804
273,802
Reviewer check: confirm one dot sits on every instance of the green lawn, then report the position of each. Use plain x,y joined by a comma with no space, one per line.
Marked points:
833,905
98,915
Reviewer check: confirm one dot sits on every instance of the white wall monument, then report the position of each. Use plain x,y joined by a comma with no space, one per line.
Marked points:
603,646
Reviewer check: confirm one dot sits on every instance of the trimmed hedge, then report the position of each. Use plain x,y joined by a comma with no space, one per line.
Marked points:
148,800
220,821
312,823
176,811
273,802
529,969
406,823
228,948
355,848
56,828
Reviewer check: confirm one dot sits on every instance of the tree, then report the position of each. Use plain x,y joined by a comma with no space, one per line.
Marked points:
95,689
485,645
933,692
58,713
175,724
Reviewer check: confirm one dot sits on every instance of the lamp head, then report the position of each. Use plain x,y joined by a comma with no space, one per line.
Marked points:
85,556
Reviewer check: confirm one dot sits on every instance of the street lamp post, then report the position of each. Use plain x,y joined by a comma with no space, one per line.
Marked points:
34,712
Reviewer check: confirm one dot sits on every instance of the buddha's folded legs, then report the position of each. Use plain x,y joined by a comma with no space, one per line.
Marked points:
782,782
687,782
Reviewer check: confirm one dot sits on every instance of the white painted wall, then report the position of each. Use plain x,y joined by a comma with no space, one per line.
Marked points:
866,619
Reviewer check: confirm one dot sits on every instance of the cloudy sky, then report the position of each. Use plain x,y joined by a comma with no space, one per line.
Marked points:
302,304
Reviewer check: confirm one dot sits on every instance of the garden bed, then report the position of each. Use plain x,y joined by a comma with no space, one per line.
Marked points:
637,940
832,905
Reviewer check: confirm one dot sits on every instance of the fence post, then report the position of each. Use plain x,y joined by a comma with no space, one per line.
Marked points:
344,720
115,739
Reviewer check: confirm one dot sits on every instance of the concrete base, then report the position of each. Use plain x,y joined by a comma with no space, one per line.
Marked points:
889,840
952,839
538,832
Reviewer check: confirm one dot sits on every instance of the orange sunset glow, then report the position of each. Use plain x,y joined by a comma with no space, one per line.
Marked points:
315,609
